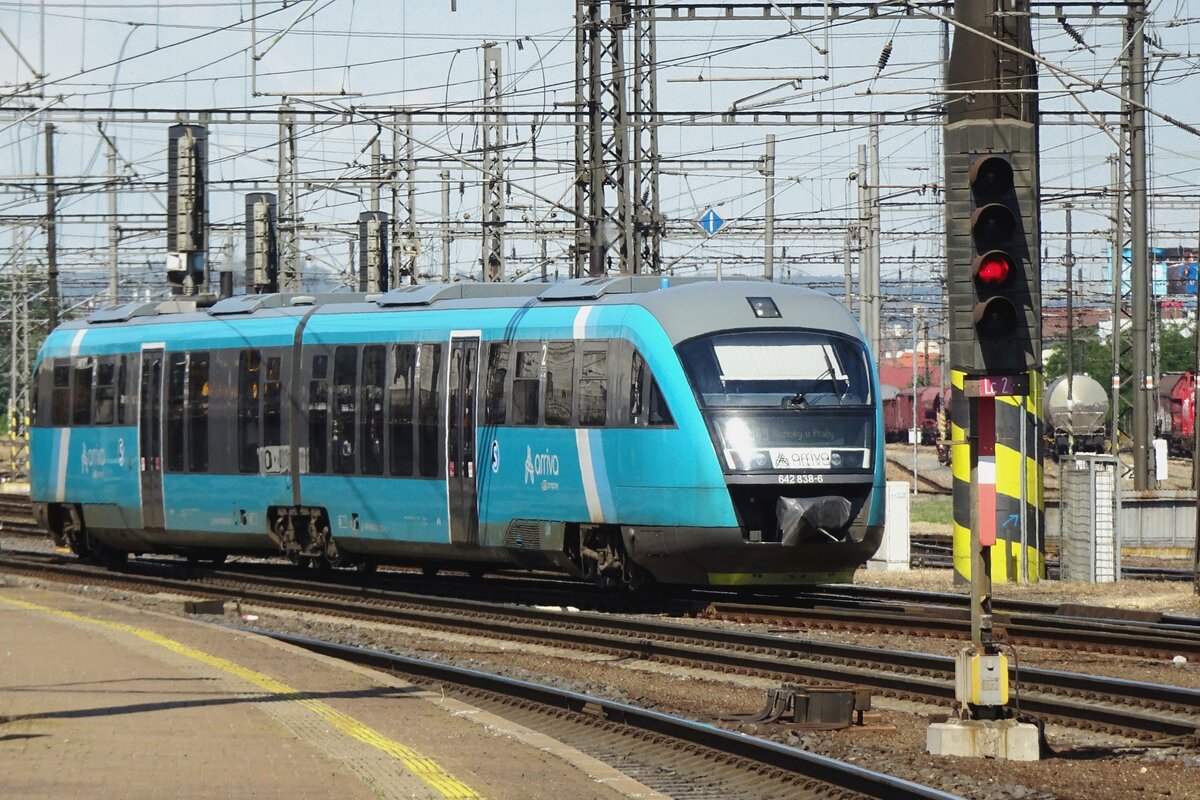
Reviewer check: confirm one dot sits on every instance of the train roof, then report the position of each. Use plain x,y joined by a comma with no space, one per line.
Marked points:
685,307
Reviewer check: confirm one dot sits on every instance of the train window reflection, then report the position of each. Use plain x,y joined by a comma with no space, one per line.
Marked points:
593,388
345,378
400,408
60,395
778,368
560,366
197,403
526,387
495,403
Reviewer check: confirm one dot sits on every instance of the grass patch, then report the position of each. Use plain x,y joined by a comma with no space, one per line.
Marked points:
933,509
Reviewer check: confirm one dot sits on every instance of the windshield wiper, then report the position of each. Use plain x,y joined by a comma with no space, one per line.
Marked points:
832,374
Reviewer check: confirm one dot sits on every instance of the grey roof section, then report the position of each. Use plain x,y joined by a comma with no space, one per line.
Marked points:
686,307
704,306
430,293
123,313
594,288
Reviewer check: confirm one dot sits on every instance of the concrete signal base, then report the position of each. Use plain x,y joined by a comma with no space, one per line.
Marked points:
983,738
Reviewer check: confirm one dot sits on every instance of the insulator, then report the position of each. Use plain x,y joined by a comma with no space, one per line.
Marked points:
1074,34
884,55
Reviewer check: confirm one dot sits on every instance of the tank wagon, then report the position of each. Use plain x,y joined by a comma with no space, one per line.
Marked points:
1076,421
618,429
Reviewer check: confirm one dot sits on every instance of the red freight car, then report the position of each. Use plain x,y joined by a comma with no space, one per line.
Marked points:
1175,419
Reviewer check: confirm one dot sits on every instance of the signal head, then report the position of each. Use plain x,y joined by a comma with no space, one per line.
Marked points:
995,317
991,176
992,225
993,268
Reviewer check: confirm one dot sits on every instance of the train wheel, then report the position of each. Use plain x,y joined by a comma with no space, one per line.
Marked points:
367,566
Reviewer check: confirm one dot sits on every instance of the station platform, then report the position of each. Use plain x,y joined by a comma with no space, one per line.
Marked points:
99,700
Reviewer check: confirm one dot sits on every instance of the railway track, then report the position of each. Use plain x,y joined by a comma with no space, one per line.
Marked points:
1081,701
592,723
928,484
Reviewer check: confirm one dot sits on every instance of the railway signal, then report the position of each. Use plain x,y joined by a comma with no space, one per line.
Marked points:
187,206
372,252
262,243
995,276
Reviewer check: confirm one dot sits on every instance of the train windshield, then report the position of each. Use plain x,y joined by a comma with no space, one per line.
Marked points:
777,368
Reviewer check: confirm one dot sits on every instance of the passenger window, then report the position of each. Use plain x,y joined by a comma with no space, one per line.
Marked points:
560,378
400,408
593,388
373,368
249,409
60,395
176,377
429,371
525,387
318,415
125,404
345,376
82,411
197,404
495,412
106,392
272,408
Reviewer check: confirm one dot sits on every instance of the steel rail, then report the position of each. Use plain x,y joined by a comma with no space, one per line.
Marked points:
772,754
1094,701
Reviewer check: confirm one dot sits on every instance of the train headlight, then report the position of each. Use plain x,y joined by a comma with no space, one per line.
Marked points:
835,459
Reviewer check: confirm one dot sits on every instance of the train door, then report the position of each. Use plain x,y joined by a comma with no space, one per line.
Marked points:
150,437
460,439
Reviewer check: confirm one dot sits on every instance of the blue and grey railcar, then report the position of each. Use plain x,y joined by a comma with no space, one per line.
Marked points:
618,429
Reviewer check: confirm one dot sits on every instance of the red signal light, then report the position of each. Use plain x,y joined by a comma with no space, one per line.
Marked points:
993,268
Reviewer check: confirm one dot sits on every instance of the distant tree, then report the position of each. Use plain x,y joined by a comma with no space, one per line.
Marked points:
1176,350
1092,357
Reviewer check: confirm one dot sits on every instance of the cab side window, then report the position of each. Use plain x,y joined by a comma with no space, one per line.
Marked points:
647,406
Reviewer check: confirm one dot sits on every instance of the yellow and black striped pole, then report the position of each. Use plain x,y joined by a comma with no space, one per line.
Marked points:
1019,553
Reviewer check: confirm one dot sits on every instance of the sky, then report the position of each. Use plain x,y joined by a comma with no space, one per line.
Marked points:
106,62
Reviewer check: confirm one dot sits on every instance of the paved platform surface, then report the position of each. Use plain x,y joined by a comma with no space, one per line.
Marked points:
98,700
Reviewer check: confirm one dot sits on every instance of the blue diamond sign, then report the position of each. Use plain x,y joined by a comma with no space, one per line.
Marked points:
711,222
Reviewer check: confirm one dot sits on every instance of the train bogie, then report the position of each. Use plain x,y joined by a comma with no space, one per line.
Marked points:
622,430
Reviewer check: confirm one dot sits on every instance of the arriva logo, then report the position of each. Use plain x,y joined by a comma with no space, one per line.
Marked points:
538,465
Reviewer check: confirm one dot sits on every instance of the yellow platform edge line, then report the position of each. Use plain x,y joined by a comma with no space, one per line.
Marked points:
422,767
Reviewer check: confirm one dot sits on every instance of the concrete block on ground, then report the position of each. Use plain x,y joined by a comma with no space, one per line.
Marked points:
204,606
894,551
1000,739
